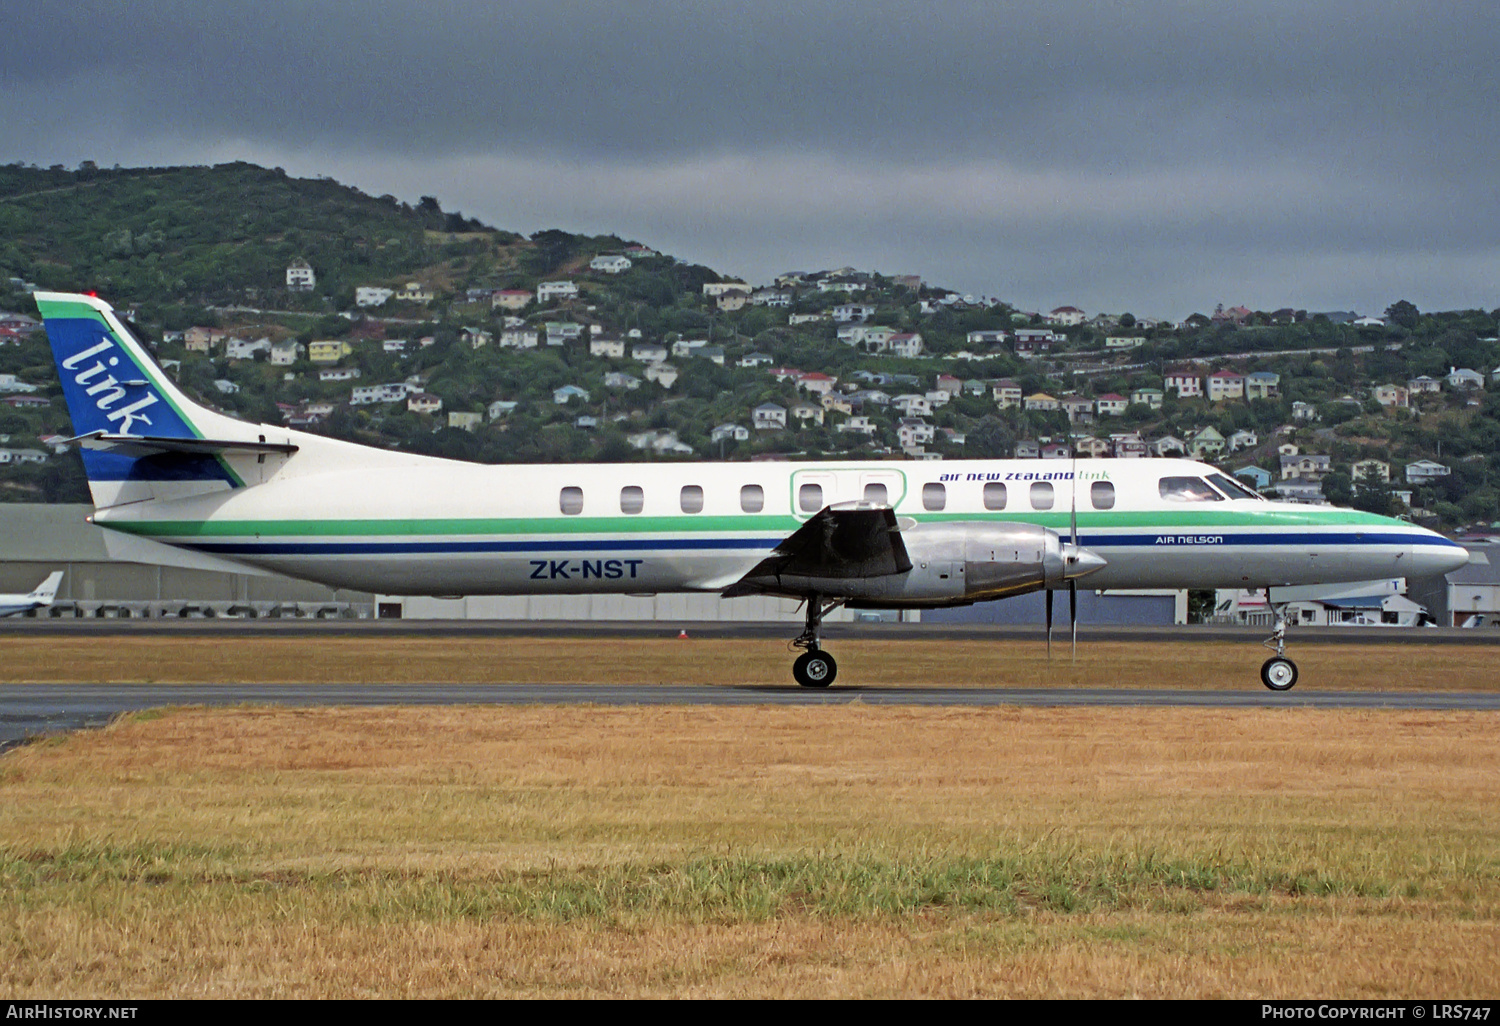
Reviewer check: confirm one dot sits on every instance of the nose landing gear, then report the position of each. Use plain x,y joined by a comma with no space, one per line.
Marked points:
1278,673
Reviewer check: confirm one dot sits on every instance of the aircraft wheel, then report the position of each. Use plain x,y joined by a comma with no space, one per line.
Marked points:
1278,674
815,669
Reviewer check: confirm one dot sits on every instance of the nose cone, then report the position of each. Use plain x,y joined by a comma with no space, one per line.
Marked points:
1078,561
1433,555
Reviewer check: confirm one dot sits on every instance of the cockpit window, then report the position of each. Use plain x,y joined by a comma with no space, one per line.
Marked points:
1232,488
1188,489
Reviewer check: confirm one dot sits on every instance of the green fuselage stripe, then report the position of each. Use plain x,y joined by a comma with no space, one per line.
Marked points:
697,525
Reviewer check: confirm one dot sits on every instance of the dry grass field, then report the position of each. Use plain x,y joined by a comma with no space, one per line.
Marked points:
416,660
852,851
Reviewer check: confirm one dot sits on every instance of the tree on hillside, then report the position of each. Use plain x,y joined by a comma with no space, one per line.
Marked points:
1403,313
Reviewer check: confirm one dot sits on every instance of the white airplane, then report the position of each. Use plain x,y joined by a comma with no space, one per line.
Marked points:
178,484
39,597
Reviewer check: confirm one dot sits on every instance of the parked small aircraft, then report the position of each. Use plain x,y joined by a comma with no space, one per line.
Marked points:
178,484
40,596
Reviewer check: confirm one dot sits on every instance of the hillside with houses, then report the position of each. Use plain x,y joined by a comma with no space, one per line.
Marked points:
307,303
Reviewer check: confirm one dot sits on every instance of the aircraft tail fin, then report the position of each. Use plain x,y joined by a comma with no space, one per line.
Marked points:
116,392
45,592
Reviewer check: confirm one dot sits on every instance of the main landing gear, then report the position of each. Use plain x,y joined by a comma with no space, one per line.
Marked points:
1278,673
815,668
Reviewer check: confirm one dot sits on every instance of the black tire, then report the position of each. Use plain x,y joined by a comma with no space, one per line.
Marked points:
1279,674
815,669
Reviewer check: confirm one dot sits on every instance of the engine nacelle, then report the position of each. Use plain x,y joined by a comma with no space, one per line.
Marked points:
955,564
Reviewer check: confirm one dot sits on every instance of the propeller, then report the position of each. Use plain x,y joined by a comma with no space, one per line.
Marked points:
1049,623
1073,537
1077,562
1072,584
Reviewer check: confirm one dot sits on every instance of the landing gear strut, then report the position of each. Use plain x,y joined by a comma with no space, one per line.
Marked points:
1278,673
815,668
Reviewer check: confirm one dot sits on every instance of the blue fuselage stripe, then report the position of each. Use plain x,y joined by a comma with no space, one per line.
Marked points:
1174,539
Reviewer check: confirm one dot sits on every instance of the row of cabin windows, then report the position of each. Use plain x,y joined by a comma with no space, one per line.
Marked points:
810,497
996,495
689,499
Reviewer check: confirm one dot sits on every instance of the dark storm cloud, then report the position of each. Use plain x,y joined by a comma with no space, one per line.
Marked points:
1082,82
996,140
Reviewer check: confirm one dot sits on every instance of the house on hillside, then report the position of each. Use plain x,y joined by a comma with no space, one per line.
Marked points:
610,264
300,276
1007,393
520,338
768,417
1425,472
1225,385
510,299
852,313
1110,404
245,349
805,412
1206,443
1185,381
1463,377
664,374
610,347
729,433
1307,466
1258,477
1080,409
1262,385
1150,397
330,350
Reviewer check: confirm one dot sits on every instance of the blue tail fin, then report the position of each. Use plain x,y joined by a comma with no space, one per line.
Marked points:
113,388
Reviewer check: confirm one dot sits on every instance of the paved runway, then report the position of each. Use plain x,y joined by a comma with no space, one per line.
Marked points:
27,710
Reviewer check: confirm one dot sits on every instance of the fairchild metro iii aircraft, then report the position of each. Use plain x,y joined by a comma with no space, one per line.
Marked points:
178,484
39,597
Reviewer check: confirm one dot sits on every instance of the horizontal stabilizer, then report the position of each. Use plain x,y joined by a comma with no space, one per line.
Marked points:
129,548
149,445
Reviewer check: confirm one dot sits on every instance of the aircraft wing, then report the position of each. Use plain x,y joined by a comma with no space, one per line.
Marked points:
150,445
847,540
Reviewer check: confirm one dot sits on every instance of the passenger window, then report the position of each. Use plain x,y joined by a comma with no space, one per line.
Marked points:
810,498
692,499
1187,489
632,499
752,498
876,493
934,496
994,495
1041,495
571,501
1102,495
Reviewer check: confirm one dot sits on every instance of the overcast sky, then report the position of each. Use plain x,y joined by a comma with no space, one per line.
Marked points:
1157,158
